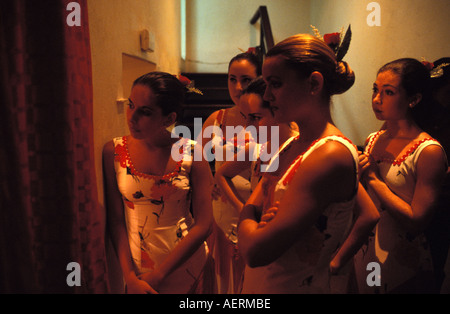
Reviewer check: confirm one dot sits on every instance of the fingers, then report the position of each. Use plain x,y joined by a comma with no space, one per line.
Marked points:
364,163
150,290
268,215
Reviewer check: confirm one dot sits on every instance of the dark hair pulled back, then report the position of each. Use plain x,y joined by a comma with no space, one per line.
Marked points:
170,93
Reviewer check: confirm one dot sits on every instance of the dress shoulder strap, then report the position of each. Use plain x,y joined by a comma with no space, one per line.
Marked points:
317,143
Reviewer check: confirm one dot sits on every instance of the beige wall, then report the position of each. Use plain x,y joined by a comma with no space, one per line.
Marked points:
217,29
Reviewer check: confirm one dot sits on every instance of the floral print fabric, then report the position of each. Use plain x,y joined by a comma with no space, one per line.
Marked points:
157,212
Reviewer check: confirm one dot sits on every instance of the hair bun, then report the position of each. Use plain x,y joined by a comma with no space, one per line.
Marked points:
345,78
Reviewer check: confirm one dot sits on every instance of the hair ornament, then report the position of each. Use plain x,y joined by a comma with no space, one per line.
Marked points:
189,85
435,71
338,42
252,50
427,64
438,71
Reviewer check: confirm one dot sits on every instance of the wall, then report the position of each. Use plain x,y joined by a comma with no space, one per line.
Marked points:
114,30
217,30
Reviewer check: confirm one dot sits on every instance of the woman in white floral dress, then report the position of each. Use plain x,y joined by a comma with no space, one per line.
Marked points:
158,205
403,168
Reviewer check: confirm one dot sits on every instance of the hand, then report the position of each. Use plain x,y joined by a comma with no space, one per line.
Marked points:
334,266
153,279
269,215
138,286
364,163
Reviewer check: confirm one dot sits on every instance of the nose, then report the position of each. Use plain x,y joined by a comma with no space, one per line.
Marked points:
376,98
239,87
134,117
267,95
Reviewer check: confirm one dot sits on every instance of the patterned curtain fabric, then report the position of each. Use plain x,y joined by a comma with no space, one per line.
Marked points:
49,210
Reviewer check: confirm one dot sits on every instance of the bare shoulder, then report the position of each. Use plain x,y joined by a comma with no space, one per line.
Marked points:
108,149
210,120
432,157
327,165
333,154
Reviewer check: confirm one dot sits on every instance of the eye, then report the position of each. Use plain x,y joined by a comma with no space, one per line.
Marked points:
389,92
232,80
246,80
145,112
374,90
275,84
130,105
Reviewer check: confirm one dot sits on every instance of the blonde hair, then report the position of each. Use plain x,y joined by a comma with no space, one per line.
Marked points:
306,54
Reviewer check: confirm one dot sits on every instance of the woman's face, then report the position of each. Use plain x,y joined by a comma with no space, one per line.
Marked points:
256,115
240,74
286,92
389,99
442,95
144,117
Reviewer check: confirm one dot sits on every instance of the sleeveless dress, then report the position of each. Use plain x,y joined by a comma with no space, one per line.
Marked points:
402,257
304,267
229,263
158,217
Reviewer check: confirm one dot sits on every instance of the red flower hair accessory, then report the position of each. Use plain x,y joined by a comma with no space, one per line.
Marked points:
335,42
190,85
252,50
332,40
428,65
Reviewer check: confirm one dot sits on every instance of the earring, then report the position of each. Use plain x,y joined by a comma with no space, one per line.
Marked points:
412,105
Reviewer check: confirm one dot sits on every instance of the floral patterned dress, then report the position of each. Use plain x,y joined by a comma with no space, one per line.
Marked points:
401,256
158,217
304,267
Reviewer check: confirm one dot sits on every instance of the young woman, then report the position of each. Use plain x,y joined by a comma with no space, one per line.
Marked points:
403,168
315,185
160,244
258,115
242,69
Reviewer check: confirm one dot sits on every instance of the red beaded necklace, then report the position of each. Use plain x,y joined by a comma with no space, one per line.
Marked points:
397,161
125,159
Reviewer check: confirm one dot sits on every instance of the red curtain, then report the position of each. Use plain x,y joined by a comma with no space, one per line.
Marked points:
49,214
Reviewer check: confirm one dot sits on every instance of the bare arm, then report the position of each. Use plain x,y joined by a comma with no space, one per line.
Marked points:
301,205
415,217
367,217
116,224
201,185
208,122
227,172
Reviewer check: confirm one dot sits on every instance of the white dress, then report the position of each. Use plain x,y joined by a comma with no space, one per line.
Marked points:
158,217
401,256
229,264
304,267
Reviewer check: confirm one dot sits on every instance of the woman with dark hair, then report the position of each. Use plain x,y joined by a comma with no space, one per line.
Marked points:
258,115
160,245
294,252
403,168
242,69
